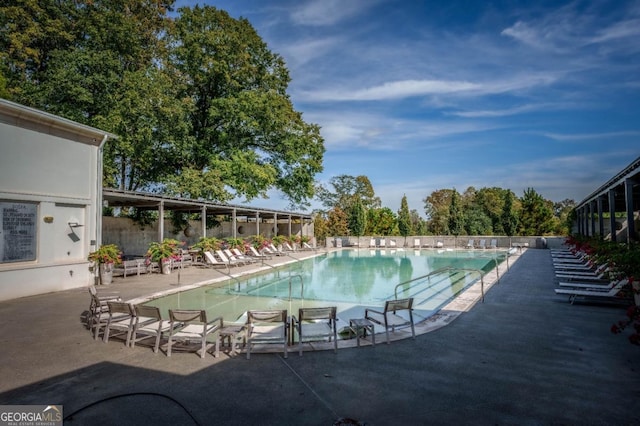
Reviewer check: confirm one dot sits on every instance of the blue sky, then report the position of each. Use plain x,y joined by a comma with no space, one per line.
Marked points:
426,95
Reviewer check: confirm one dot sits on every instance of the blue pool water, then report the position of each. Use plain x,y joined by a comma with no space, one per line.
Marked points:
352,280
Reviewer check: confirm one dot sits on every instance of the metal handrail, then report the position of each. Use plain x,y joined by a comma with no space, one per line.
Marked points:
479,271
301,286
440,271
436,272
290,278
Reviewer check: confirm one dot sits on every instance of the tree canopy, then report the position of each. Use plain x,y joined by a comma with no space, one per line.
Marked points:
345,190
199,102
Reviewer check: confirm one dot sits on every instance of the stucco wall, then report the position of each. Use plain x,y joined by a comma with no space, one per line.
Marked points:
134,240
59,177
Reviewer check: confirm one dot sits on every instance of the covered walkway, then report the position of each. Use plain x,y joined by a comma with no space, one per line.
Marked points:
618,197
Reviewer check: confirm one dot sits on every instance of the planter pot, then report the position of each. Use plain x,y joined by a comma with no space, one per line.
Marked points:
105,271
165,267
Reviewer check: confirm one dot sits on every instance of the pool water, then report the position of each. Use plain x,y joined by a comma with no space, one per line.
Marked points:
352,280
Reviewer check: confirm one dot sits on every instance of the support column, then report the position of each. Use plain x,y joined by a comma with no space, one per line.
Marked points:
203,218
612,214
275,224
592,210
289,226
234,225
161,221
579,220
631,226
257,223
600,217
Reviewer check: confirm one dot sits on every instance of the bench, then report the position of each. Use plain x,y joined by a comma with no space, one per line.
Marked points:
131,267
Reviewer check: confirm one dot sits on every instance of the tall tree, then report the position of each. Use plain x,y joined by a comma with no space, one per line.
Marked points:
509,217
346,190
320,228
98,63
381,221
563,211
404,219
418,223
436,207
337,222
357,219
456,216
490,201
244,126
476,221
537,214
199,103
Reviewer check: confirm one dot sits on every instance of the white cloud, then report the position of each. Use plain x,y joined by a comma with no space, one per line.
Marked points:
567,30
586,136
502,112
624,29
328,12
301,52
416,88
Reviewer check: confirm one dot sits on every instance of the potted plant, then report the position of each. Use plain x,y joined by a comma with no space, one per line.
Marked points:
164,252
278,240
235,243
207,244
259,242
105,258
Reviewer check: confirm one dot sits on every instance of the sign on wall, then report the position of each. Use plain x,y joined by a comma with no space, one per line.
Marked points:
18,231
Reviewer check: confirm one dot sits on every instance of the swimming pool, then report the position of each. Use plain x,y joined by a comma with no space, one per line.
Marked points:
351,280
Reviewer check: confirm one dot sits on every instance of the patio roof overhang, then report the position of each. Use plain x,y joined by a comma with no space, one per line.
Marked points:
150,201
631,173
620,194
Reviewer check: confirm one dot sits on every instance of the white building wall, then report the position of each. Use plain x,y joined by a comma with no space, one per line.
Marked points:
44,163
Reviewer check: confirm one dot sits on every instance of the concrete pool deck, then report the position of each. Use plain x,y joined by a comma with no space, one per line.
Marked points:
524,356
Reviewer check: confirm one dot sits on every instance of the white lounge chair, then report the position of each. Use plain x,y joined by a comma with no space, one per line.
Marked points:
573,293
273,250
598,275
372,243
239,255
592,285
416,243
210,260
470,244
233,258
306,246
225,259
258,255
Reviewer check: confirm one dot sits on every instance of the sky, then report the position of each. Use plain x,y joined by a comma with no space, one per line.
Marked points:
426,95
